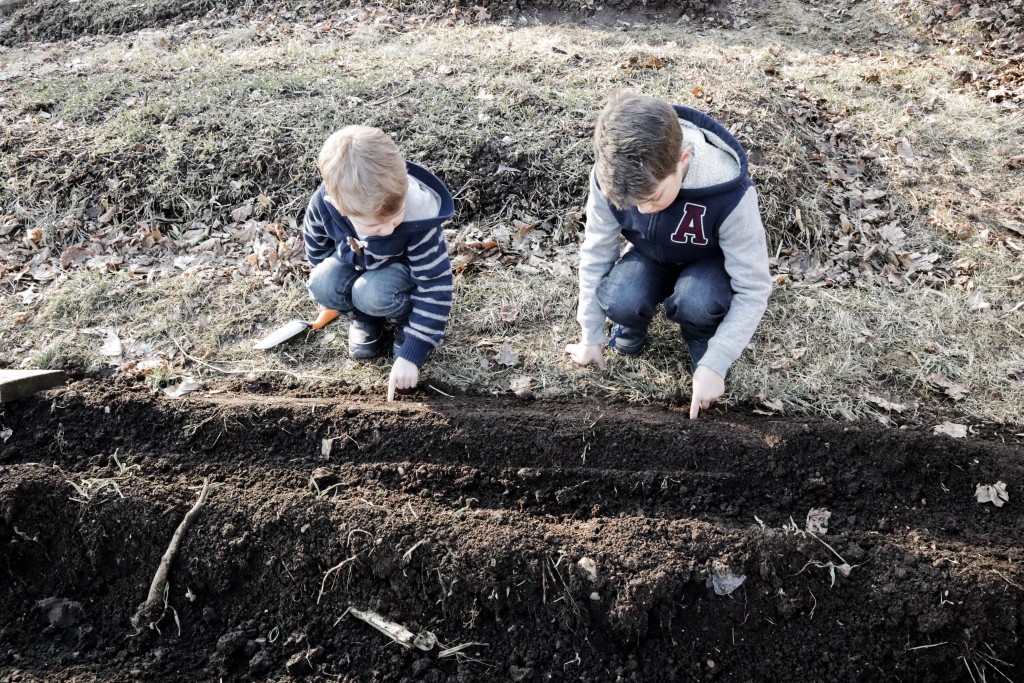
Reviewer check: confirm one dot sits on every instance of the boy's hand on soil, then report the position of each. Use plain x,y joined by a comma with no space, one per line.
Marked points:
708,387
585,354
404,375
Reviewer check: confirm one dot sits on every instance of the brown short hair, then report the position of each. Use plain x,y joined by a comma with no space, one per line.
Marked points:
637,143
364,172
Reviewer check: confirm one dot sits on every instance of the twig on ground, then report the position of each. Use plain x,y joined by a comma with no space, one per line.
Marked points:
812,535
424,640
431,386
147,613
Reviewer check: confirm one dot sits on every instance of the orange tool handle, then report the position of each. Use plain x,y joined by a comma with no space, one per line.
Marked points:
326,315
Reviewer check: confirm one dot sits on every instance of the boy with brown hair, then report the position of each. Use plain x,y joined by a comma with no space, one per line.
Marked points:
674,183
374,241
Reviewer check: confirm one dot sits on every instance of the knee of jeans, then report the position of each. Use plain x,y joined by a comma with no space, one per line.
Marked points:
323,286
691,311
372,299
620,310
320,288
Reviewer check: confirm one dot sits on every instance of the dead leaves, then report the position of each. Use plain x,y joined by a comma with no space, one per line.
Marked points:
528,245
641,62
884,404
722,580
955,391
992,493
1001,39
245,245
506,356
866,240
185,387
952,429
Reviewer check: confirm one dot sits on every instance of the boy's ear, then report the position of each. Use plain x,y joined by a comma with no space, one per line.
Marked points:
686,154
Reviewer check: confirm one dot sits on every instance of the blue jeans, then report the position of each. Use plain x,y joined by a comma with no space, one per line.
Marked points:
364,295
696,296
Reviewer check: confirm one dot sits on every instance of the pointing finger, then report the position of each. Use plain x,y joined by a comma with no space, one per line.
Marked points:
694,408
391,389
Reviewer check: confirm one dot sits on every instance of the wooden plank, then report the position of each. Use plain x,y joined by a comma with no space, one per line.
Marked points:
15,384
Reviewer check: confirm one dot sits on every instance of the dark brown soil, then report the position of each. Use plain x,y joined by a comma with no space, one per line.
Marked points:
469,518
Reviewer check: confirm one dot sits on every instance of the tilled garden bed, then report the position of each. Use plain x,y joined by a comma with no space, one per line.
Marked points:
524,541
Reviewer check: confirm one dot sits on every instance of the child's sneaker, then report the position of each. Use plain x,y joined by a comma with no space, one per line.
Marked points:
629,341
366,338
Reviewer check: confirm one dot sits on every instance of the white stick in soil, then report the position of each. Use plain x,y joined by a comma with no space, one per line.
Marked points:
424,640
151,611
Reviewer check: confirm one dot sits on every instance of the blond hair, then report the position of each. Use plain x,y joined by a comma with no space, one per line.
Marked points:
364,172
637,144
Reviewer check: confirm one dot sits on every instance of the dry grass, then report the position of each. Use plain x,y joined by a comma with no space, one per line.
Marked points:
193,125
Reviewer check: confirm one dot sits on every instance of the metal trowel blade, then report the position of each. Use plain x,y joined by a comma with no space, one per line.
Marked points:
282,334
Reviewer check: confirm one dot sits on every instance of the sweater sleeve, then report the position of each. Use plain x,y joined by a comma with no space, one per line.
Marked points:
317,241
743,241
431,296
598,253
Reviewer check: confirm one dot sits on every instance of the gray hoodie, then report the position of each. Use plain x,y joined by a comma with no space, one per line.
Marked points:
728,223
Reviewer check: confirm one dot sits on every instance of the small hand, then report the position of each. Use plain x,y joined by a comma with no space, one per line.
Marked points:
404,375
708,387
585,354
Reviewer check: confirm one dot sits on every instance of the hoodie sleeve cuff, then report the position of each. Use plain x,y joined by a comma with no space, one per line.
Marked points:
718,358
593,333
415,351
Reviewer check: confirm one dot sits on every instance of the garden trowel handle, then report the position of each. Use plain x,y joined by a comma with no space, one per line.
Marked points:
326,316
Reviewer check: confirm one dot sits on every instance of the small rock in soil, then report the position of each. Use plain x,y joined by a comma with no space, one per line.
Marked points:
61,613
519,673
210,616
304,663
261,663
231,644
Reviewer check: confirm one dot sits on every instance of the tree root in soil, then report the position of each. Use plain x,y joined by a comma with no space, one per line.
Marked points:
152,610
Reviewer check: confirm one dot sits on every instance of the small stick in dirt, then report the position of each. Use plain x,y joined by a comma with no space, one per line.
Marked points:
150,611
425,640
431,386
827,546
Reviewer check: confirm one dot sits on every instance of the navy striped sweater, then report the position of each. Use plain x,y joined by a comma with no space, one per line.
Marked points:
417,243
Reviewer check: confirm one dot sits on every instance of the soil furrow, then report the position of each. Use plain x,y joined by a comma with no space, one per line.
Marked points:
480,521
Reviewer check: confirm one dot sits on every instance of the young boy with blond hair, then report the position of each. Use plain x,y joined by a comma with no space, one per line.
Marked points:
674,183
374,241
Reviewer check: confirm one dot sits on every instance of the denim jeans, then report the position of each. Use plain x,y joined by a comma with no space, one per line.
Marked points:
363,295
696,296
